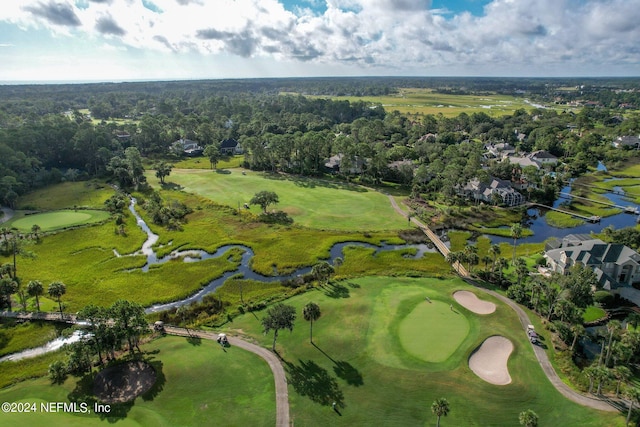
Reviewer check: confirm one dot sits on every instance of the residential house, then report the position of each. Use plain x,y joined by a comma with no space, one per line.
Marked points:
335,164
614,264
187,147
627,141
543,158
230,147
495,190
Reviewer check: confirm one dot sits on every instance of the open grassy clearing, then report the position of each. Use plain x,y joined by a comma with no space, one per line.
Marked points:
426,101
311,202
50,221
213,386
67,195
359,361
203,163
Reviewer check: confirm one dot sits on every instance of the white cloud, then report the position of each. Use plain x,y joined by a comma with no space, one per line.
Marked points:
402,35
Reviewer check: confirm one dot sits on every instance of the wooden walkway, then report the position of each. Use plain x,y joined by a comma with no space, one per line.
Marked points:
444,250
593,218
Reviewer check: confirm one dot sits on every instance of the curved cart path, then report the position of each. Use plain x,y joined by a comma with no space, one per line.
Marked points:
282,395
541,355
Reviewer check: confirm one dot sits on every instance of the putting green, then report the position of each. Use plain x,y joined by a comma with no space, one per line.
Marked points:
59,219
432,331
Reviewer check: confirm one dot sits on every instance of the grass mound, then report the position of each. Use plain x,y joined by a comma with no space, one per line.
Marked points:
433,331
50,221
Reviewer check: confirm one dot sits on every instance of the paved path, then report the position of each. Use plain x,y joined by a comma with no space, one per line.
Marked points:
8,214
541,355
282,395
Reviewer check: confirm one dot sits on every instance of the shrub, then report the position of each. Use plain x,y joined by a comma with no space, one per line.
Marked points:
57,372
604,298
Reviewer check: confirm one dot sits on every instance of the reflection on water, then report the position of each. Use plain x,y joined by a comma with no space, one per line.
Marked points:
536,222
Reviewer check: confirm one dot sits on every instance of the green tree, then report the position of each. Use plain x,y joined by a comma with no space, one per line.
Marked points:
56,290
440,407
621,374
528,418
322,271
278,317
35,231
98,322
163,170
633,397
129,321
212,152
35,289
311,313
57,372
8,287
516,233
264,199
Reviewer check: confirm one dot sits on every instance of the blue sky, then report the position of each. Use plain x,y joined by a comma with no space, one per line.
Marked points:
115,40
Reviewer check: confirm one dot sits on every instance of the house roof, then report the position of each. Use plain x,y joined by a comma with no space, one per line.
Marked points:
229,143
542,154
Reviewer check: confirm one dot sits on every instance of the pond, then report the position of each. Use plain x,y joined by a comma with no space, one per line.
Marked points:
541,230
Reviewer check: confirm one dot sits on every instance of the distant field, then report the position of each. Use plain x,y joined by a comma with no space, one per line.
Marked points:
425,101
203,163
311,202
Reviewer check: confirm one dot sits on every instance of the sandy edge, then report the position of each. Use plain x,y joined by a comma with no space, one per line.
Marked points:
471,302
489,361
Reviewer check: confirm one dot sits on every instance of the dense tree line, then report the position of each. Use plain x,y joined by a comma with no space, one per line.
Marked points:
45,138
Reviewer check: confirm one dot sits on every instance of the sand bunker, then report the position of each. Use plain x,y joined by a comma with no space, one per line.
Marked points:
471,302
489,361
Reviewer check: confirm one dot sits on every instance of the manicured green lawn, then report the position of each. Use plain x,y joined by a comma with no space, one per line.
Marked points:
592,314
198,384
50,221
360,362
310,202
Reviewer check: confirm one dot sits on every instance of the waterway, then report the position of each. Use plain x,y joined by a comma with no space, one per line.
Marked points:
48,347
542,230
197,255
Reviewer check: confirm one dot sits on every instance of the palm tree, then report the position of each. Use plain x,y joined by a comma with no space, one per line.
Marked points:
633,395
322,271
612,327
501,264
494,251
516,233
470,256
521,269
577,330
35,289
440,407
311,313
621,374
35,230
528,418
56,290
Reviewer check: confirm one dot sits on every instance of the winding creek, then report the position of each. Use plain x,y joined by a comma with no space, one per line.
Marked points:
537,224
197,255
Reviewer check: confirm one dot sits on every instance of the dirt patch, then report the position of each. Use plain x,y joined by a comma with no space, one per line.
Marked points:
124,382
489,361
471,302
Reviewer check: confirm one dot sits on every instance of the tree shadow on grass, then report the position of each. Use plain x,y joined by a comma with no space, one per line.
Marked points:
194,341
344,370
336,290
223,171
172,186
83,393
158,386
311,380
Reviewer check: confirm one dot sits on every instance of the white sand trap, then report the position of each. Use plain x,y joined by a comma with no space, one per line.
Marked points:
471,302
489,362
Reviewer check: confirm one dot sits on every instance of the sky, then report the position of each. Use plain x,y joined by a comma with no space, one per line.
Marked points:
125,40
